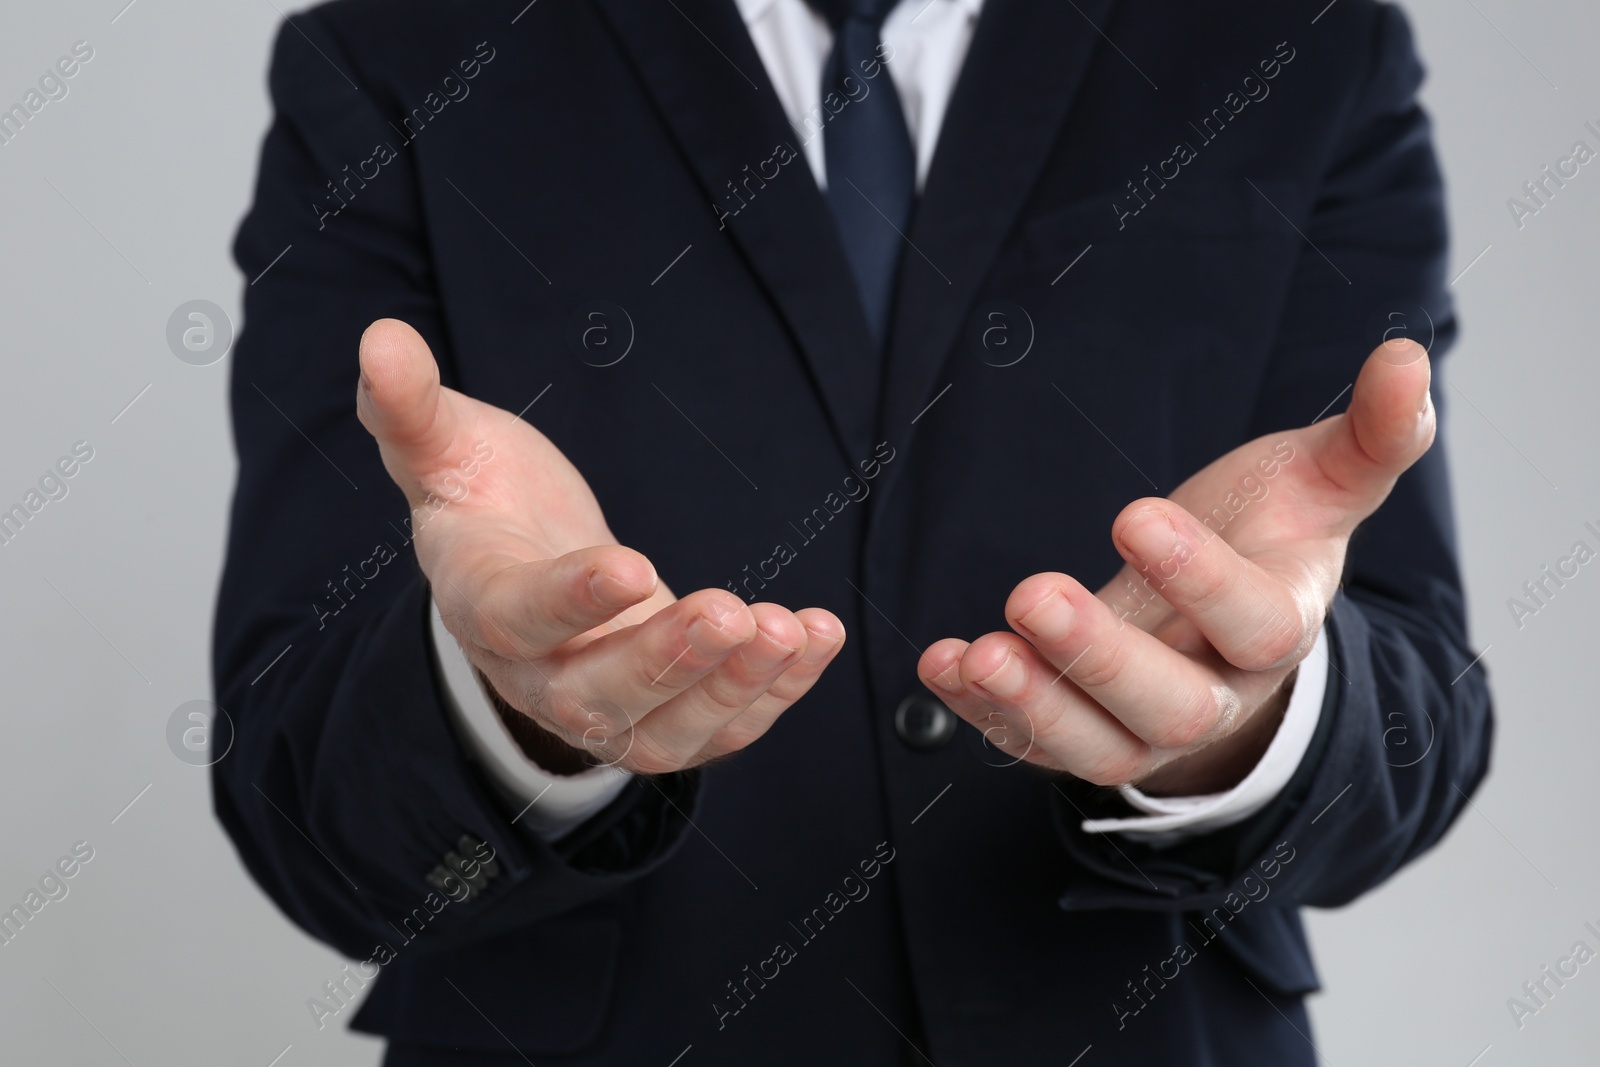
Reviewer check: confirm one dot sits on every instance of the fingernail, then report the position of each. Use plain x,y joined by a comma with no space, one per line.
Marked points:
720,607
949,679
1007,679
820,646
1150,536
768,652
1401,353
1051,618
707,637
608,591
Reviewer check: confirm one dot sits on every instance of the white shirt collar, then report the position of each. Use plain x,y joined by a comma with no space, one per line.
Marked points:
753,10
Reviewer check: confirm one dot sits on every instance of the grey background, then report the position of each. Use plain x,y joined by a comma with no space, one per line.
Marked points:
116,206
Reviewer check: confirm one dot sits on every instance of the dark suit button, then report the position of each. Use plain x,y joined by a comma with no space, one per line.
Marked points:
924,723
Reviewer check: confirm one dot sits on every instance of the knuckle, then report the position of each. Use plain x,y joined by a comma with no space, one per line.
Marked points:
726,696
588,724
659,670
1207,586
1103,667
1200,715
649,756
791,685
1276,642
563,614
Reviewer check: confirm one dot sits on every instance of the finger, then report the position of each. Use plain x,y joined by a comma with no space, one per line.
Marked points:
1165,698
1071,730
604,688
1078,737
1390,423
825,636
400,402
668,738
1256,619
1133,598
940,670
677,733
527,609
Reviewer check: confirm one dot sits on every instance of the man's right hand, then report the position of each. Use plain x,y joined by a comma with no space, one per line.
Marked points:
570,628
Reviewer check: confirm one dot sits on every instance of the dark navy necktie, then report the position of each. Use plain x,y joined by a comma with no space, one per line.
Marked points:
871,166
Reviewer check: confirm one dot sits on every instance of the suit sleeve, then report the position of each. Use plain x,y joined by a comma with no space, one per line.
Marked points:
346,788
549,805
1406,728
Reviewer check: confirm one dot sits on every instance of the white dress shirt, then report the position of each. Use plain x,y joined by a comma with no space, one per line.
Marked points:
925,44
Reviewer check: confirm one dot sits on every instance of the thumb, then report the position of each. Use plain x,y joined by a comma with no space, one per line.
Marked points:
400,402
1389,425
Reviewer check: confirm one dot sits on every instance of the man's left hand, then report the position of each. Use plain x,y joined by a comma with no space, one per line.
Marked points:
1226,585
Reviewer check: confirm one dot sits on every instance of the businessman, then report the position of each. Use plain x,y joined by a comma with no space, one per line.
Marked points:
842,531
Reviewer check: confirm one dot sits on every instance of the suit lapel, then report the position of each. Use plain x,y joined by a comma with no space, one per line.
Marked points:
1024,66
724,114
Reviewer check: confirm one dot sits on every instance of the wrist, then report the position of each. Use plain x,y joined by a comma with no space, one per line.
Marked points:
542,746
1222,765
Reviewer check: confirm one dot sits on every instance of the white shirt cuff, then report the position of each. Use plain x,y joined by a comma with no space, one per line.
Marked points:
550,805
1169,820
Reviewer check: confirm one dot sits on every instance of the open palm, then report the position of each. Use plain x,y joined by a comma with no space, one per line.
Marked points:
1172,675
570,628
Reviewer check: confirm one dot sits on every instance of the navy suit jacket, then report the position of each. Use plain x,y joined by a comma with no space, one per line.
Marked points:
1184,240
